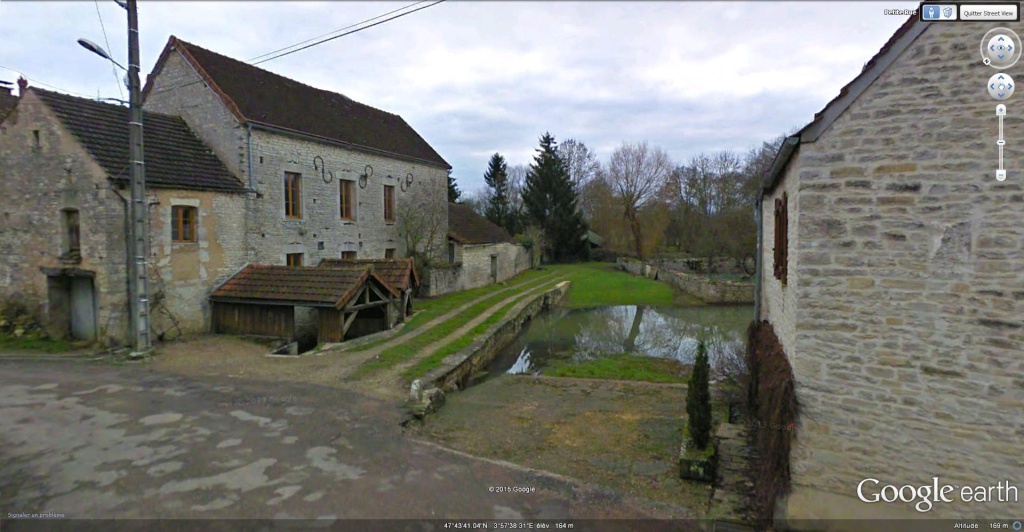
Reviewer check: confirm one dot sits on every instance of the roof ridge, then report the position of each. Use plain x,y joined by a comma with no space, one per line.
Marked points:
229,58
108,104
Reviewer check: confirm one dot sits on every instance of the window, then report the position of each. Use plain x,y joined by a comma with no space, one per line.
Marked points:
781,237
389,253
347,199
348,255
292,195
389,203
71,231
294,259
451,253
183,223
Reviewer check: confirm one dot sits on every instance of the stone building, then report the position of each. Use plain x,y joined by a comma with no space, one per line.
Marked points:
329,177
7,99
63,195
893,275
479,252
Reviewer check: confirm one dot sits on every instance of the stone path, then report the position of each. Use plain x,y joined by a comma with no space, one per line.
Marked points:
390,381
734,491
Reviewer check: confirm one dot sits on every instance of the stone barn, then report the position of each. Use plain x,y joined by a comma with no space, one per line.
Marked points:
63,244
892,273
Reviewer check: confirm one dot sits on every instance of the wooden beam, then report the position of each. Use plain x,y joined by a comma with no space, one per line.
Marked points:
375,304
348,323
351,302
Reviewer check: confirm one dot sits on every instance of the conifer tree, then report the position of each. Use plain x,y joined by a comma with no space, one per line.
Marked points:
496,177
698,399
453,188
550,200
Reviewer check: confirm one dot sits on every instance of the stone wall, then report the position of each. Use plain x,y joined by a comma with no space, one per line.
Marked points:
708,290
320,232
38,182
473,268
907,265
184,274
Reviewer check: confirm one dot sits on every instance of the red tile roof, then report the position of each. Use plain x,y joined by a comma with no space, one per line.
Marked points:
298,285
400,273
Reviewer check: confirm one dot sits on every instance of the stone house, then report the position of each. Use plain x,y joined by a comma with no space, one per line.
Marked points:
893,276
63,162
329,177
479,253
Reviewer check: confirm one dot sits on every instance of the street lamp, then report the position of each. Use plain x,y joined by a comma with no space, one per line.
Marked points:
138,208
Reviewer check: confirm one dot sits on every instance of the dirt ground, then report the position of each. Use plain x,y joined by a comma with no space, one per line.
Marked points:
622,435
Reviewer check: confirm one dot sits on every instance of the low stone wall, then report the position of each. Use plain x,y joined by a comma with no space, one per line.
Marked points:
473,268
427,394
708,290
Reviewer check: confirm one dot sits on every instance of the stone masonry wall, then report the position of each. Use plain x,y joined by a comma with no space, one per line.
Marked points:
320,233
708,290
36,183
186,273
910,324
474,268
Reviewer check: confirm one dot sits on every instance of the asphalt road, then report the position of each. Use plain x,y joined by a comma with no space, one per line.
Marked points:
96,441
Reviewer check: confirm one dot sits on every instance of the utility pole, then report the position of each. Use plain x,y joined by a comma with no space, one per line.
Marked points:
137,245
139,228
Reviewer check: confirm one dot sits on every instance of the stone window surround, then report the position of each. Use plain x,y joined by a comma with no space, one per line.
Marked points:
182,202
293,168
292,249
354,200
394,204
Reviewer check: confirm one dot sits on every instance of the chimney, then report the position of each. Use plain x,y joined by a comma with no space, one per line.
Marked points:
22,86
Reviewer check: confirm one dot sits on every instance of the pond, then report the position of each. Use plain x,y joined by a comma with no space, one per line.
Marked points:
563,336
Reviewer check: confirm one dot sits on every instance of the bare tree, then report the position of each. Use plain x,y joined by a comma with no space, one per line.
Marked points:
637,173
423,221
476,200
581,163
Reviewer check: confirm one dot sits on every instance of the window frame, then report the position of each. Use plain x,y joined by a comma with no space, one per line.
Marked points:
293,195
345,255
294,259
389,253
389,204
71,220
781,258
177,224
349,199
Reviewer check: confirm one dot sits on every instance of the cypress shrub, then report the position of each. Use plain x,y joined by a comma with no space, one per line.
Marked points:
698,399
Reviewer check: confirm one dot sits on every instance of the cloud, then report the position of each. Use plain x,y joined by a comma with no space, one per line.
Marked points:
474,78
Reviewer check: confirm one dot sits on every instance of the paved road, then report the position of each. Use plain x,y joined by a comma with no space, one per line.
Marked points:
92,440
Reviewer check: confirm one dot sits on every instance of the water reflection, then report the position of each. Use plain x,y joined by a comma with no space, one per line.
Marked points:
586,334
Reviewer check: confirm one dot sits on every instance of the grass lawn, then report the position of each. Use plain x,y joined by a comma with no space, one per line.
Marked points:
430,362
44,345
406,350
624,367
598,284
428,309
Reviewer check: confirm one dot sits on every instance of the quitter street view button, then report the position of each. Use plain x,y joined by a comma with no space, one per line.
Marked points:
980,12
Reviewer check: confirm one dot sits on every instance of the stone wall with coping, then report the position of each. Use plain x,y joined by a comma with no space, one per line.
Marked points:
908,269
710,291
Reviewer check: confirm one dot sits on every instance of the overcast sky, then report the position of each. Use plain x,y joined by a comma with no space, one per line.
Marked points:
474,78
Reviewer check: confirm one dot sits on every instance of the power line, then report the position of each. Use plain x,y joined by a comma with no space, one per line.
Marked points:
198,81
106,41
333,32
348,33
37,82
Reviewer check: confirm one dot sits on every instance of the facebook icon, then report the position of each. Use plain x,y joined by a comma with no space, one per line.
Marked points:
931,13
